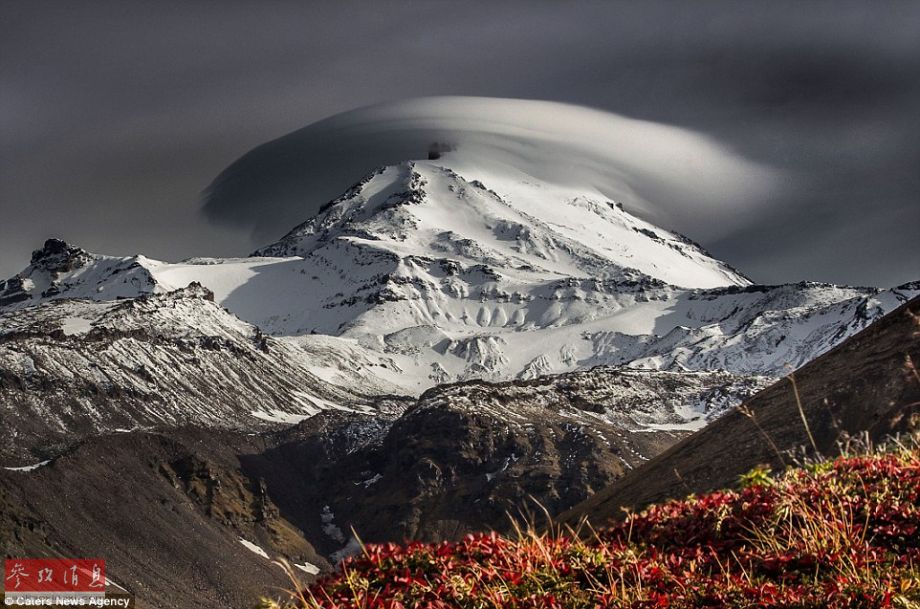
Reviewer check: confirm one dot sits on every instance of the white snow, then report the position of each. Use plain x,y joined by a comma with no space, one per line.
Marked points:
76,325
110,582
253,548
329,527
183,357
279,416
370,481
28,468
690,425
307,567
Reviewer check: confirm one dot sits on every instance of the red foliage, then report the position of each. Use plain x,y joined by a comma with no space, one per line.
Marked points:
836,535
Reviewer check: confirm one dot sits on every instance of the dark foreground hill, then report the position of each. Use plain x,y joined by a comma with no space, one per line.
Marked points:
833,535
168,513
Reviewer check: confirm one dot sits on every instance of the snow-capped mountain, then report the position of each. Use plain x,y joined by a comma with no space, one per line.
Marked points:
530,231
438,271
434,349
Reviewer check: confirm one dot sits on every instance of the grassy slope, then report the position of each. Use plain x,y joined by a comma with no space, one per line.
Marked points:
837,534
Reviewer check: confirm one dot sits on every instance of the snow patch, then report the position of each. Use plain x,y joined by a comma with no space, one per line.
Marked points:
329,527
372,480
254,548
691,425
72,326
279,416
307,567
28,468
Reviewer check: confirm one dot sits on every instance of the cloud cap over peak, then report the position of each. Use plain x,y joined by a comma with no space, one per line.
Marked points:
673,176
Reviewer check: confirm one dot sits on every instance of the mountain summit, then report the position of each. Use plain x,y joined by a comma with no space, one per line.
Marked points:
529,230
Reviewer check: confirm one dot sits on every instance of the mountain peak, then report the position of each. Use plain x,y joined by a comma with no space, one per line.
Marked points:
506,220
56,255
383,189
61,270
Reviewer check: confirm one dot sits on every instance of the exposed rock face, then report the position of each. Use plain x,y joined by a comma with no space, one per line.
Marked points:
69,369
466,455
60,270
54,258
57,256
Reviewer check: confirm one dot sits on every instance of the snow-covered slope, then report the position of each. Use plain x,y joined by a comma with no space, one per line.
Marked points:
69,368
434,271
528,229
59,270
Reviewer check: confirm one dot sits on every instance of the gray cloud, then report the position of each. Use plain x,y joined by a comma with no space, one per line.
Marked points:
115,115
670,175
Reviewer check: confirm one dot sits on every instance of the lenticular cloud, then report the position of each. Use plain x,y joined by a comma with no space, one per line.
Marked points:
672,176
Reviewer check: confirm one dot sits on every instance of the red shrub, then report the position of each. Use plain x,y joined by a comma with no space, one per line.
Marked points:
836,535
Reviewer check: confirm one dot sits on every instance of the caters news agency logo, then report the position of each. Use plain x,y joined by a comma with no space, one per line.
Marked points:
30,582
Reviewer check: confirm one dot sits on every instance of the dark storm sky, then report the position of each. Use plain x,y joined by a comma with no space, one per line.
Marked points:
115,115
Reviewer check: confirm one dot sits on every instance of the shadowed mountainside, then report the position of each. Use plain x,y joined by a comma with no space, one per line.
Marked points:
867,384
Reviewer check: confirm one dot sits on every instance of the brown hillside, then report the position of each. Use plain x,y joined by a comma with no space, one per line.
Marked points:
864,385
